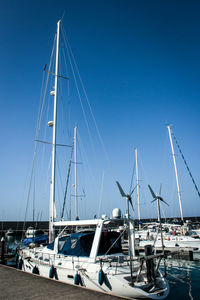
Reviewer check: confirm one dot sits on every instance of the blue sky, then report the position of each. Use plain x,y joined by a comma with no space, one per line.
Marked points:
140,63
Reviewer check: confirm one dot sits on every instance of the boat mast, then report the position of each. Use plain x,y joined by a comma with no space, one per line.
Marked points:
137,184
75,172
160,224
176,173
55,93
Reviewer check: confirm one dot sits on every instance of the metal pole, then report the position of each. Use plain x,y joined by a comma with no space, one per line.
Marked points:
75,172
158,211
130,241
2,249
52,196
161,235
176,173
137,183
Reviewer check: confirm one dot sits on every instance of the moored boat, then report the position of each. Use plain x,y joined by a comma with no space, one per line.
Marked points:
89,252
92,257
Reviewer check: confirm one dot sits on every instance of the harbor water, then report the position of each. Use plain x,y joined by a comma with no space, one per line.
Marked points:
184,279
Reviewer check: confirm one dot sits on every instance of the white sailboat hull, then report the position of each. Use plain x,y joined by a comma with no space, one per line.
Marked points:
117,275
176,241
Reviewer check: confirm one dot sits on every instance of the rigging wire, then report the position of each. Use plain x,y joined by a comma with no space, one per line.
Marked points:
60,91
78,91
68,94
45,91
101,195
72,63
186,164
45,131
46,104
89,105
61,184
34,198
145,195
132,178
42,96
84,158
67,183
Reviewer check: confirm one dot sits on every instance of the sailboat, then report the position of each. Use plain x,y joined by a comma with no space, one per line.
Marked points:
175,236
167,236
89,252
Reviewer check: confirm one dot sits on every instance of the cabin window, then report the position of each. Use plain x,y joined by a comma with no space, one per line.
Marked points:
51,246
110,243
61,242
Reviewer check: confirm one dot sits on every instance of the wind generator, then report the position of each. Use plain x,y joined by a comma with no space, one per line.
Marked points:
158,198
127,196
131,237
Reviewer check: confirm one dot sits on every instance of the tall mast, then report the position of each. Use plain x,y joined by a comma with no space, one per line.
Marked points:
176,173
137,183
75,172
55,93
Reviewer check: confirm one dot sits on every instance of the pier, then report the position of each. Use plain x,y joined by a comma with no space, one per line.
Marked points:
20,227
178,253
186,253
16,284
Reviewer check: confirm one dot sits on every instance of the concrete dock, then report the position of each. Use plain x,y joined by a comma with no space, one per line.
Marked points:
16,284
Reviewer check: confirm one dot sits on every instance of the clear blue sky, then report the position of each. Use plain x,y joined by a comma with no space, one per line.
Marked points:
140,63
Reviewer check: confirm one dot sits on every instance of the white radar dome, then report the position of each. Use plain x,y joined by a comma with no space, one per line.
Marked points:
116,213
104,217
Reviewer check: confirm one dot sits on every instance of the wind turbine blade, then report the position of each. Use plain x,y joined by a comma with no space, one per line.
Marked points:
164,201
133,190
160,189
130,200
152,192
153,200
120,189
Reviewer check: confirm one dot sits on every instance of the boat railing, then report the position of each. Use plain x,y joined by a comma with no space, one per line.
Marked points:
149,260
122,258
109,258
139,264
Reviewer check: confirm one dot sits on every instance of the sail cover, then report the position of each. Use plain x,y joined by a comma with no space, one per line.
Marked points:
78,244
38,239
